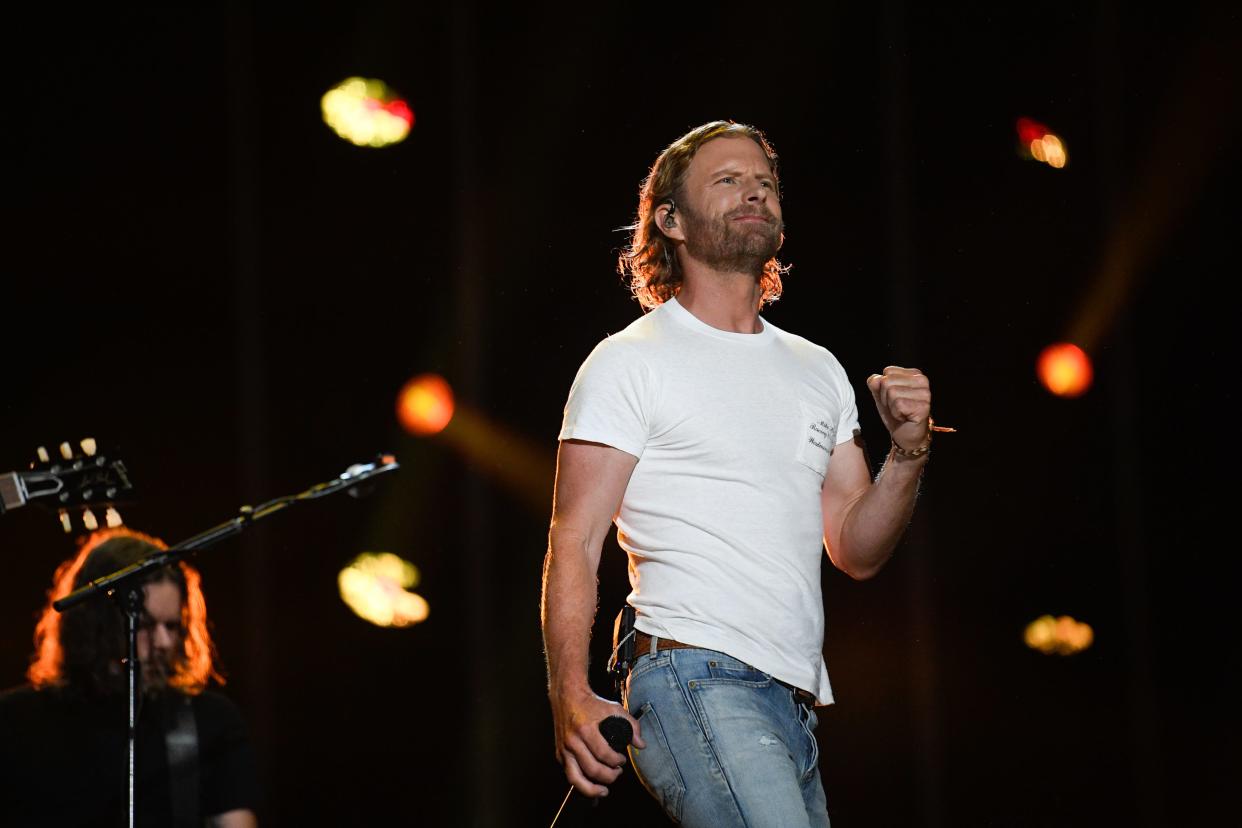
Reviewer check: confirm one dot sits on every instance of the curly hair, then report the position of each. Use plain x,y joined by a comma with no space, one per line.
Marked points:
648,263
80,648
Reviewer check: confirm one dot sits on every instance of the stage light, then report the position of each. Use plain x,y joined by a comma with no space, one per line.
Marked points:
1050,150
425,405
375,586
1065,370
365,112
1058,636
1037,142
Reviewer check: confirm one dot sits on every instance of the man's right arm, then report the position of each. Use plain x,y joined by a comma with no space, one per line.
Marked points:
590,481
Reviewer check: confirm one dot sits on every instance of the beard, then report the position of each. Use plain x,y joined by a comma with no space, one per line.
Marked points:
730,246
157,670
154,676
155,673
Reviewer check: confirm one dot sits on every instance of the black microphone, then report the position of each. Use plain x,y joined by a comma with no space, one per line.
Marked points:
617,732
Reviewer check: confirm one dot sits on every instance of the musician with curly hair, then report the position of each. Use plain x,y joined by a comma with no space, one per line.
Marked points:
63,737
727,453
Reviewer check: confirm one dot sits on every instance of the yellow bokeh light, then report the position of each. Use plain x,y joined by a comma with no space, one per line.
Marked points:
1049,149
425,405
1065,370
1058,636
365,112
1054,151
375,586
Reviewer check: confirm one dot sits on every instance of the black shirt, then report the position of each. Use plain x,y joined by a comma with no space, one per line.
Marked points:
62,759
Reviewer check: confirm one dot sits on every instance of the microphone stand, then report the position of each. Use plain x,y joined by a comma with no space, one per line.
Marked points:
126,584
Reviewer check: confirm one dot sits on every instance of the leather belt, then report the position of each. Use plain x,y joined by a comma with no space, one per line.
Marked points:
802,697
642,646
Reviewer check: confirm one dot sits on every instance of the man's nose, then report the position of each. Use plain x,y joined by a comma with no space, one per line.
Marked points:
164,638
757,194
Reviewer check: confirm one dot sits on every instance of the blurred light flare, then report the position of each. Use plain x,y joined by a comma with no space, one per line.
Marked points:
425,405
375,586
1041,144
1187,145
365,112
1050,150
1065,370
1058,636
526,468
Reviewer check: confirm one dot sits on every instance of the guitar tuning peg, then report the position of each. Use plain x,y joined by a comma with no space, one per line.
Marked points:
89,520
88,446
66,522
42,454
66,451
112,518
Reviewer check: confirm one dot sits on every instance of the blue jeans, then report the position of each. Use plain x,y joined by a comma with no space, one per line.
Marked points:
727,745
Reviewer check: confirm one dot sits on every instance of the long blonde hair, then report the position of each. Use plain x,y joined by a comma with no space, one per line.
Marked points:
648,263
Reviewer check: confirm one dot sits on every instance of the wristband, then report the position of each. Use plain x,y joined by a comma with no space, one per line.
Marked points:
926,447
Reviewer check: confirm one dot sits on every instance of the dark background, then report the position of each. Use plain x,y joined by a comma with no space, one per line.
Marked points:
200,273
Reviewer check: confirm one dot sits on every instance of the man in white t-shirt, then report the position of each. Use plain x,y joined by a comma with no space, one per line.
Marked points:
726,452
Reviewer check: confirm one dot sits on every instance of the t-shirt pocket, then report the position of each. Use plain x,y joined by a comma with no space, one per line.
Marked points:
816,438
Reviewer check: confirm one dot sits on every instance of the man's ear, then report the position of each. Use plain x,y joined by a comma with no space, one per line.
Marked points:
666,219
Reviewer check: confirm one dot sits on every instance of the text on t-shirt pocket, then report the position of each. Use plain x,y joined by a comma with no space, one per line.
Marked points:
816,438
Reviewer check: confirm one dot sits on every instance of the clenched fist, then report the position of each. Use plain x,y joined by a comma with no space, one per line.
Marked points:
903,398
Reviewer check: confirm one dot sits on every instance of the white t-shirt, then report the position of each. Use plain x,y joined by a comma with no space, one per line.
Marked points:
721,519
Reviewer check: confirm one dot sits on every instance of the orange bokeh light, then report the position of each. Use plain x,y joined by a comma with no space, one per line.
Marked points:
425,405
1058,636
1065,370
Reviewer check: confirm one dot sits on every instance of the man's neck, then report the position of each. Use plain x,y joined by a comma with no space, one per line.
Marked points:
725,301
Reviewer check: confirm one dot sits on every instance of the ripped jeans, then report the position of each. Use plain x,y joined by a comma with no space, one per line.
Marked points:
727,745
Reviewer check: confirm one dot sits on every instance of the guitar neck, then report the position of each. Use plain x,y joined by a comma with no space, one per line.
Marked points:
72,483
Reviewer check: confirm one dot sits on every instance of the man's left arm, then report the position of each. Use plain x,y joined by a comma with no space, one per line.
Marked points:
864,519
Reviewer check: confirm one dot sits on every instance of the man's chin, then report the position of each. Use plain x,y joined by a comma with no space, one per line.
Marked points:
752,264
156,688
754,256
741,252
759,243
155,682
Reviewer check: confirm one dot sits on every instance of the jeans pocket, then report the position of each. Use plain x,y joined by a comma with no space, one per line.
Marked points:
656,766
739,672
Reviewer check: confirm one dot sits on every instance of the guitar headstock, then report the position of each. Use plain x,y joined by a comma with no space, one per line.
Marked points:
72,481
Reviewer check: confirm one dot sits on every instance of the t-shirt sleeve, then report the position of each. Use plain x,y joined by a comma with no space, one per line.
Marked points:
608,400
847,423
